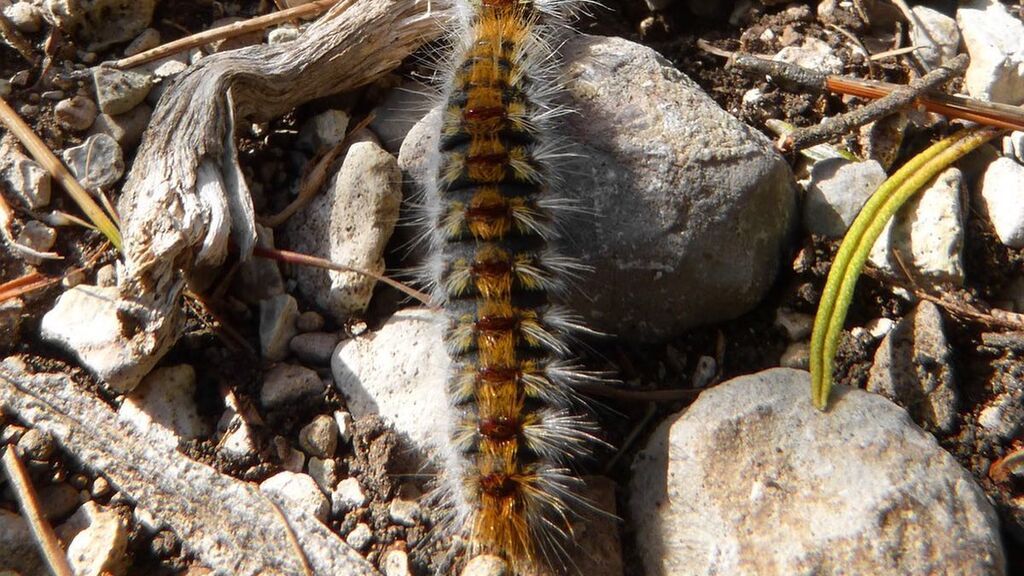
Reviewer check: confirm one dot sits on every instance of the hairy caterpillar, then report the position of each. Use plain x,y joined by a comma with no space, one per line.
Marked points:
491,215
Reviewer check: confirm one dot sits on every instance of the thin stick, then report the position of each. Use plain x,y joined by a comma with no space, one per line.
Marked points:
229,31
42,154
36,281
306,260
899,98
312,183
29,503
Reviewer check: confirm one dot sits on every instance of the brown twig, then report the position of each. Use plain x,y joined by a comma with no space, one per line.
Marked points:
36,281
314,179
42,154
229,31
29,503
899,98
306,260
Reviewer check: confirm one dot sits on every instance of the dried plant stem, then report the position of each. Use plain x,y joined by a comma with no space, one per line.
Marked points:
29,503
856,245
222,32
42,154
306,260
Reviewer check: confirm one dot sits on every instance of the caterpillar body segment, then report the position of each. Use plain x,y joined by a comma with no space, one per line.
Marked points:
516,426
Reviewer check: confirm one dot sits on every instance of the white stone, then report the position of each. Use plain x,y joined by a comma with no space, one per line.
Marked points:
76,113
995,41
325,130
283,34
344,421
299,491
752,479
324,472
1013,146
97,162
277,325
98,540
88,321
395,563
404,512
24,177
1000,200
347,496
360,537
285,385
166,399
836,192
385,372
350,223
485,565
37,237
927,233
937,33
237,440
812,53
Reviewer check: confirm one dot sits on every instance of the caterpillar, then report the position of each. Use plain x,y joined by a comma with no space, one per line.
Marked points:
493,212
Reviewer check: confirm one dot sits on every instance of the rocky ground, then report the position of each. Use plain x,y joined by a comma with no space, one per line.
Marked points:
709,249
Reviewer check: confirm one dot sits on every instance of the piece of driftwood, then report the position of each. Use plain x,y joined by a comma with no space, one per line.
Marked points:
185,199
229,525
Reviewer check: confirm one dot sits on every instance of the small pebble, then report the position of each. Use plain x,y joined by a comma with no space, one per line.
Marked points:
37,236
97,162
320,437
324,472
106,275
347,496
58,500
77,113
97,539
21,78
344,421
286,385
25,17
126,128
277,325
118,91
309,321
395,563
36,445
291,459
298,491
314,347
404,512
796,325
100,487
486,565
797,355
1000,200
360,537
282,35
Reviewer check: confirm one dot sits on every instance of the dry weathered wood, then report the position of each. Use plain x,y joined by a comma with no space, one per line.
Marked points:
185,197
229,525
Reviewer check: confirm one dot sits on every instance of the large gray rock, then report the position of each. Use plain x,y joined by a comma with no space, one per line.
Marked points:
684,210
350,224
752,479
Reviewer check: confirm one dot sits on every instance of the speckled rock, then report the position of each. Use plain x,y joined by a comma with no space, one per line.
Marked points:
812,53
689,209
126,128
166,398
350,223
937,33
18,550
22,176
324,130
298,490
320,437
100,23
97,162
928,235
995,41
347,496
836,191
858,489
388,372
360,536
118,91
914,367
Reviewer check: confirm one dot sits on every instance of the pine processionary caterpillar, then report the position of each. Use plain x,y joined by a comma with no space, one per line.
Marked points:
492,215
